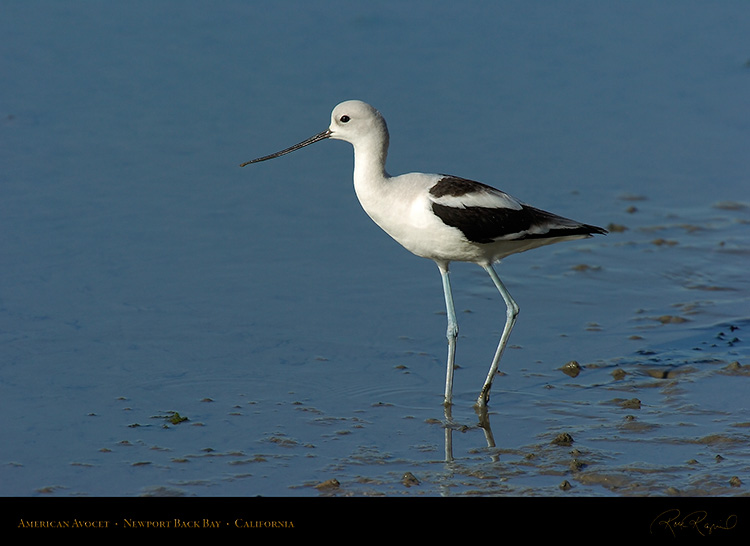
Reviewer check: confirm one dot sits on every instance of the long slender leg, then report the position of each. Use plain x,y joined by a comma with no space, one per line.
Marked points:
448,433
510,319
451,333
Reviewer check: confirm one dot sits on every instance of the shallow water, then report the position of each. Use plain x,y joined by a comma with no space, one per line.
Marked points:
147,279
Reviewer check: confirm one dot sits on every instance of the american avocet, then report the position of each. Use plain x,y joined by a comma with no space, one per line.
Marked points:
441,217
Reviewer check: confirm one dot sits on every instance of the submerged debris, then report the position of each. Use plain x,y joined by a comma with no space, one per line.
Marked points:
409,479
572,368
586,267
333,483
731,205
563,439
672,319
175,418
576,465
633,403
618,228
663,242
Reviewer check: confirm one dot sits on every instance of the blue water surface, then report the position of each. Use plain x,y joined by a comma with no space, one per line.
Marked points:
144,273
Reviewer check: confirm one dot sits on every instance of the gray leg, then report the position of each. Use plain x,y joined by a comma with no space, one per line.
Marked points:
451,334
510,320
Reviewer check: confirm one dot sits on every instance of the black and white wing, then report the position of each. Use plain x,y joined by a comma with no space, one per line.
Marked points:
487,215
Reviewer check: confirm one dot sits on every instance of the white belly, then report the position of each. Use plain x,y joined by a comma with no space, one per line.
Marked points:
404,212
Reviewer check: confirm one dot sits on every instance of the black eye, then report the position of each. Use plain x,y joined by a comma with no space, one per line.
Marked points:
344,119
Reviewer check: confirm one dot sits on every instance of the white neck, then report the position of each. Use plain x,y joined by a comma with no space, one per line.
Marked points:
369,161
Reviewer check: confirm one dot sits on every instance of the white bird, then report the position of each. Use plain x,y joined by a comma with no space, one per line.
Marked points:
441,217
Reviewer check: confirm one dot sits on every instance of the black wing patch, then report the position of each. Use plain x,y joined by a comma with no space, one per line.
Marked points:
454,186
488,224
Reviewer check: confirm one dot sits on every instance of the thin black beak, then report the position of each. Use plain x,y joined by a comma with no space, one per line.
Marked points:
311,140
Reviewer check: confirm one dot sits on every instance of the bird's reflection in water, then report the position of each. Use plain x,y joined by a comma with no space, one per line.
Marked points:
483,423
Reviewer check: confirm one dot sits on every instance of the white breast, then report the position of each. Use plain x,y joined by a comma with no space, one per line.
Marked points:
402,207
